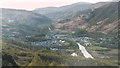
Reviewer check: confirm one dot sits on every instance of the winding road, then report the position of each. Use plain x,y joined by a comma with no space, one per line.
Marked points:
84,51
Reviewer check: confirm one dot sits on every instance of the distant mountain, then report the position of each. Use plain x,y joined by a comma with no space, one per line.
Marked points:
21,21
60,13
23,17
101,19
68,11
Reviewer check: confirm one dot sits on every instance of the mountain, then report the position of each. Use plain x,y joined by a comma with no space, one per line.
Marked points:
68,11
22,22
55,9
23,17
60,13
102,19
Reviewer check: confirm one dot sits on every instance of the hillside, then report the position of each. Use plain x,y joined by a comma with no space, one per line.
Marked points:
68,11
64,12
99,20
104,19
22,22
23,17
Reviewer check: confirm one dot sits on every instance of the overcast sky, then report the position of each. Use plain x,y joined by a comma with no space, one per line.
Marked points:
32,4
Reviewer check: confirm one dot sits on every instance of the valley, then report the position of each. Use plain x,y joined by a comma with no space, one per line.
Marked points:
86,37
61,44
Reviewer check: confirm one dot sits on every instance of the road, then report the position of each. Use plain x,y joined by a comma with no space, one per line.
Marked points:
84,51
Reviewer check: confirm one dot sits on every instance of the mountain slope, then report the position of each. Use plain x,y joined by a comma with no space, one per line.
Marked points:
23,17
64,12
103,19
68,11
21,22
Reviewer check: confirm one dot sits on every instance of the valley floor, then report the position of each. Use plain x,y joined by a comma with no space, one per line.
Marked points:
60,50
